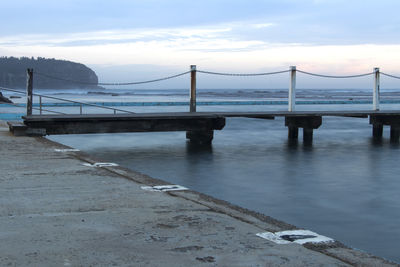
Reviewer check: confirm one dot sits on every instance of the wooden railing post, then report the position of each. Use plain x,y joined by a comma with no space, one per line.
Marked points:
376,93
29,91
292,89
40,104
193,88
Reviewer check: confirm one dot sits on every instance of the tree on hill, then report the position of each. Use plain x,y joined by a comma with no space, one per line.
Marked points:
13,73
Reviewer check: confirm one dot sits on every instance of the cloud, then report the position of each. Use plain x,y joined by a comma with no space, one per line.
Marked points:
241,46
262,25
113,36
328,36
216,38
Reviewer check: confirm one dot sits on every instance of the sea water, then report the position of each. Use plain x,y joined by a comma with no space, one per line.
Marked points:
345,186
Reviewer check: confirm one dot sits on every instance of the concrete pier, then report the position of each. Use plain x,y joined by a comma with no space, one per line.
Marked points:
200,137
378,121
199,126
308,123
55,211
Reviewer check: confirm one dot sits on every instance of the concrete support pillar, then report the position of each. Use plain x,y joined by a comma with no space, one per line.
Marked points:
378,121
308,123
377,130
394,133
307,135
200,137
293,132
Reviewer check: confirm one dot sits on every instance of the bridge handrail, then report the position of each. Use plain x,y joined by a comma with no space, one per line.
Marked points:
113,84
242,74
47,110
335,76
291,99
390,75
66,100
221,74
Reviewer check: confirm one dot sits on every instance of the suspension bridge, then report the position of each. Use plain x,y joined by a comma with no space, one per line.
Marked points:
199,126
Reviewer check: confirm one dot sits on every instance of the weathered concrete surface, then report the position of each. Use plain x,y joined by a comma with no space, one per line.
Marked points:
56,212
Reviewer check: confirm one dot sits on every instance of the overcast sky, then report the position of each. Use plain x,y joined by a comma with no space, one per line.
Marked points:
128,40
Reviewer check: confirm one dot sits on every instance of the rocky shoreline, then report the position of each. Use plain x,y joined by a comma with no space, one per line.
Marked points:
4,99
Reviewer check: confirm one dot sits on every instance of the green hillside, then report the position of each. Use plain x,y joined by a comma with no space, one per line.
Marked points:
13,73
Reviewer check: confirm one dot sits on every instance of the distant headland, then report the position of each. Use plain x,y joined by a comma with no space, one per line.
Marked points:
72,75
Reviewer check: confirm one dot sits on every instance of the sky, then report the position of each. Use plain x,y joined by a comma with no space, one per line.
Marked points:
134,40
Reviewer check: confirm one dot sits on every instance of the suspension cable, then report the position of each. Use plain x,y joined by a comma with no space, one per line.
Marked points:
390,75
335,76
214,73
242,74
116,84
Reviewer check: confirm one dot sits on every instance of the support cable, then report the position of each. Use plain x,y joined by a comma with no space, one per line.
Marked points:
390,75
335,76
116,84
242,74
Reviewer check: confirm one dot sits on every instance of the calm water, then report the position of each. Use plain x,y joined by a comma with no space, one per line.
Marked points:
344,186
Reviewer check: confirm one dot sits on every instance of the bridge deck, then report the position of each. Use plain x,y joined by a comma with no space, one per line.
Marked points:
197,115
198,125
110,123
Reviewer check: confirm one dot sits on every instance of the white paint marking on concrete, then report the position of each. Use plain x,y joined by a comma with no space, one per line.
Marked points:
66,150
67,262
101,164
316,238
298,236
273,237
164,188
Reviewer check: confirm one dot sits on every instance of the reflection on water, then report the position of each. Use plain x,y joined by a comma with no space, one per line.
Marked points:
198,149
345,185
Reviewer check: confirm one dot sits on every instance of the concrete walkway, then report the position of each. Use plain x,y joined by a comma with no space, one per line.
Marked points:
54,211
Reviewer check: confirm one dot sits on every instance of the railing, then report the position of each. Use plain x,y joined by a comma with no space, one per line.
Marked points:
292,85
41,109
193,71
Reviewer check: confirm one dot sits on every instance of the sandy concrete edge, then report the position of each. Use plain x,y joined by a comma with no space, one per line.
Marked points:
336,249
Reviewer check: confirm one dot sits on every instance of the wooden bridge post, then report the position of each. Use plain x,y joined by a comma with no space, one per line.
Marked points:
198,136
29,91
376,93
192,88
292,88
